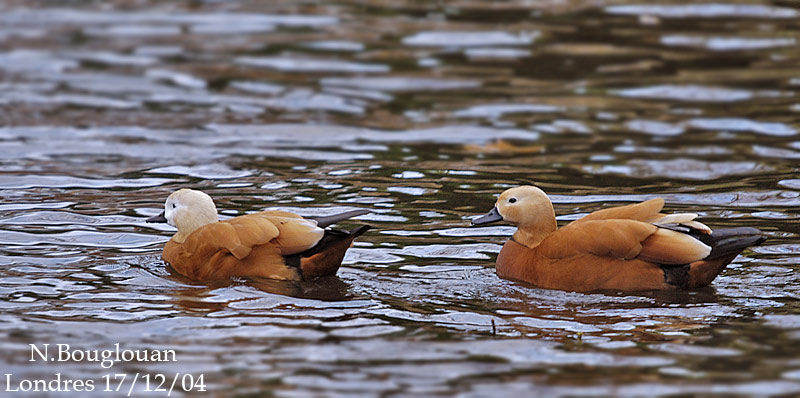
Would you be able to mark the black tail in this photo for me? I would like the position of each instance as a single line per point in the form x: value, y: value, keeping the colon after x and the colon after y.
x: 326, y: 257
x: 325, y: 221
x: 731, y: 240
x: 359, y: 231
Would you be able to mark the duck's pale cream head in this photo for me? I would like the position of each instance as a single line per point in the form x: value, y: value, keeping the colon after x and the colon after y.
x: 187, y: 210
x: 526, y: 207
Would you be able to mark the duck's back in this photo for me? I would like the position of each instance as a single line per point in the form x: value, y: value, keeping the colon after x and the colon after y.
x: 645, y: 211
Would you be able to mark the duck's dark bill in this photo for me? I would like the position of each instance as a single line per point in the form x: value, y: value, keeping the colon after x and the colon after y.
x: 490, y: 217
x: 158, y: 218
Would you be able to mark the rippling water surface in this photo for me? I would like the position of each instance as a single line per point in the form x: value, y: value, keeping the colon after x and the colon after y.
x: 421, y: 112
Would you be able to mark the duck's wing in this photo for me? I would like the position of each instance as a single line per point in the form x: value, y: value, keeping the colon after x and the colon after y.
x: 298, y: 234
x: 238, y: 236
x: 295, y: 234
x: 289, y: 232
x: 648, y: 211
x: 623, y: 239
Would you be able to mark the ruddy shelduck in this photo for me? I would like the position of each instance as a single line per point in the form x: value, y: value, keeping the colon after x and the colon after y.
x: 627, y: 248
x: 268, y: 244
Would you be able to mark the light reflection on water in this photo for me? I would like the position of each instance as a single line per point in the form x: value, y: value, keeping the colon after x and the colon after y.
x: 423, y: 115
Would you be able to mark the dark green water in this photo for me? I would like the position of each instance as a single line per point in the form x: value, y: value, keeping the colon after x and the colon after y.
x: 421, y: 111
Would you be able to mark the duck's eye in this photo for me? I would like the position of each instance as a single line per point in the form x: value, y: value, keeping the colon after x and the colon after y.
x: 174, y: 205
x: 512, y: 200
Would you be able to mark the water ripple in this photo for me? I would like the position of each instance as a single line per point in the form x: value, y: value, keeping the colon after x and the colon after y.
x: 737, y: 124
x: 687, y: 93
x: 311, y: 65
x: 727, y: 43
x: 709, y: 10
x: 52, y: 181
x: 117, y: 240
x: 89, y: 17
x: 689, y: 169
x: 469, y: 39
x: 400, y: 84
x: 205, y: 171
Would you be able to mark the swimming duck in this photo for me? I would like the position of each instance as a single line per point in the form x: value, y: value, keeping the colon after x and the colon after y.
x: 269, y: 244
x: 627, y: 248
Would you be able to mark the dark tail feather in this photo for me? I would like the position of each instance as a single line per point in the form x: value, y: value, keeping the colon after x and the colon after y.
x: 325, y: 221
x: 326, y: 257
x: 359, y: 231
x: 725, y: 244
x: 731, y: 240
